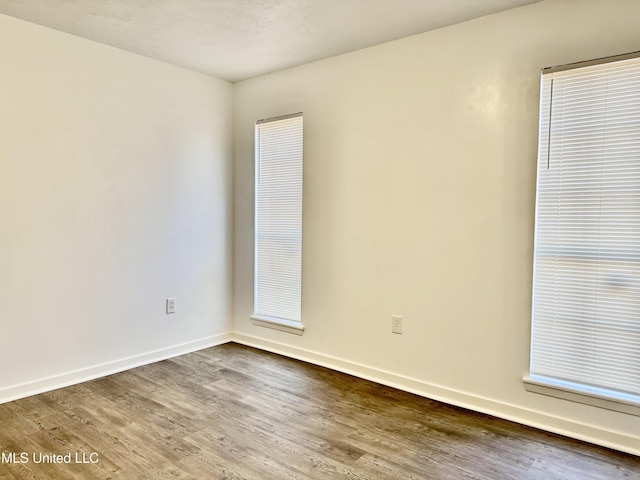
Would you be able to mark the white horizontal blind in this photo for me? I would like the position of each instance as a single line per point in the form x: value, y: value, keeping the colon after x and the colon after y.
x: 586, y: 295
x: 278, y: 219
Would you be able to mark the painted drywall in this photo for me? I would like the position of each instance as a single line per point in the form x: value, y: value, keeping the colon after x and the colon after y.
x: 115, y: 193
x: 419, y: 193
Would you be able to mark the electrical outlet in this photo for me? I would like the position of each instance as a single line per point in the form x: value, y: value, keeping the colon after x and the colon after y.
x: 396, y: 324
x: 171, y: 305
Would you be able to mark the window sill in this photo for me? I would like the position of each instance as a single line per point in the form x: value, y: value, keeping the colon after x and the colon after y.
x: 288, y: 326
x: 629, y: 404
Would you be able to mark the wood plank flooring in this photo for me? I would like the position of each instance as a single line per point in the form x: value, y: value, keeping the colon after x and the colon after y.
x: 233, y: 412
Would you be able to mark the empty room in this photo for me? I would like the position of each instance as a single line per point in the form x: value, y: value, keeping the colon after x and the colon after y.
x: 298, y: 239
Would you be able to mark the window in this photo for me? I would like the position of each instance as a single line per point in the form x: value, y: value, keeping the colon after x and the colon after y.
x: 585, y: 342
x: 278, y: 223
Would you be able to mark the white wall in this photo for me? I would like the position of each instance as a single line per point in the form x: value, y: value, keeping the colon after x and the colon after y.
x: 419, y: 201
x: 115, y: 193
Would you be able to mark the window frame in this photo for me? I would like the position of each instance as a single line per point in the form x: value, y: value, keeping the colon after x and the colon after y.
x: 269, y: 314
x: 598, y: 396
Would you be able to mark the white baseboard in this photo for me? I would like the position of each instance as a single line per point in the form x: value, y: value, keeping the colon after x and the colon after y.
x: 90, y: 373
x: 589, y: 433
x: 543, y: 421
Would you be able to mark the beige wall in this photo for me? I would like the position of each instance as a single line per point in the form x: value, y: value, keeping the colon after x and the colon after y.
x: 419, y: 201
x: 115, y: 193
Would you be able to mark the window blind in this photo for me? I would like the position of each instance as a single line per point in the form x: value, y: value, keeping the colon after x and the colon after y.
x: 278, y: 219
x: 586, y: 292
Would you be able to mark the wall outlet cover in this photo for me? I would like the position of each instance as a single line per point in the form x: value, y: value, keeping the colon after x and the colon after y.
x: 171, y: 305
x: 396, y: 324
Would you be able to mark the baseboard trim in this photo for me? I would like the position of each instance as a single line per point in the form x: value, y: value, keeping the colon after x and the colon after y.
x: 543, y: 421
x: 536, y: 419
x: 16, y: 392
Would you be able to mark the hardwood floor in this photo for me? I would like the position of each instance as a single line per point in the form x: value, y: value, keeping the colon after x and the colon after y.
x: 232, y: 412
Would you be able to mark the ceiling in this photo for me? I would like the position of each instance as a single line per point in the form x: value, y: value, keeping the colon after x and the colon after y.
x: 238, y: 39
